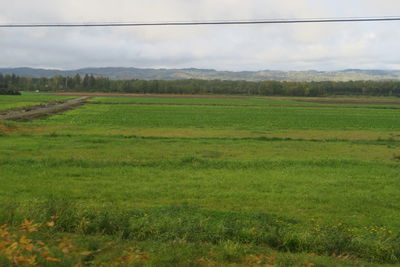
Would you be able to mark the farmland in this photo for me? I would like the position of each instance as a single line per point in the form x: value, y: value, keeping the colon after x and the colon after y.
x: 27, y: 99
x: 209, y: 181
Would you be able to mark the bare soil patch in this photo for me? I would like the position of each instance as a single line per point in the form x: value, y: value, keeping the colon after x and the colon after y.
x: 38, y: 111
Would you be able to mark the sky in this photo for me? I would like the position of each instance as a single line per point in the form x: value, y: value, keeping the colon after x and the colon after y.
x: 325, y: 46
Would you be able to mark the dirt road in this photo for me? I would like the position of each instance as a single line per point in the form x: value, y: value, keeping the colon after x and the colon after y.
x: 34, y: 112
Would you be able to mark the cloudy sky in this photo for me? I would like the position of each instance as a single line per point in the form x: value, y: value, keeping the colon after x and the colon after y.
x: 240, y: 47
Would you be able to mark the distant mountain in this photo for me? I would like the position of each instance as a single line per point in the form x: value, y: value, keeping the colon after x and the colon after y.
x: 209, y: 74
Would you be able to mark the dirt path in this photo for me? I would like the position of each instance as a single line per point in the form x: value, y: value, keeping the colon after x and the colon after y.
x: 34, y: 112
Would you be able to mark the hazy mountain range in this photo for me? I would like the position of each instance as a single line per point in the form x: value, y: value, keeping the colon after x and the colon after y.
x: 174, y: 74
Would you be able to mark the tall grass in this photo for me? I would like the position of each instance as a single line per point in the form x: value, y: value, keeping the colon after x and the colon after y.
x: 191, y: 224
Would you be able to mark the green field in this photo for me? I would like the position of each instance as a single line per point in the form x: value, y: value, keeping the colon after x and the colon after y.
x: 27, y: 99
x: 209, y: 181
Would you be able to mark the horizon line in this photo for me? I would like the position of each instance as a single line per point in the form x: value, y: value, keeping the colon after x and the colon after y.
x: 194, y: 68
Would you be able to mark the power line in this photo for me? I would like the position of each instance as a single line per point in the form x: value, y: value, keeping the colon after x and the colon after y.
x: 199, y: 23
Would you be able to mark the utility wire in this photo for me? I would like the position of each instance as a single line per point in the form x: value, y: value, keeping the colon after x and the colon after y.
x: 199, y: 23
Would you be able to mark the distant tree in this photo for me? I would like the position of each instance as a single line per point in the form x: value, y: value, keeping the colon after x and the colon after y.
x: 196, y: 86
x: 77, y: 81
x: 3, y: 83
x: 85, y: 82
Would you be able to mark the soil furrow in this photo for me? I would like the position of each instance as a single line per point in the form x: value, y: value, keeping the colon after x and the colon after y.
x: 35, y: 112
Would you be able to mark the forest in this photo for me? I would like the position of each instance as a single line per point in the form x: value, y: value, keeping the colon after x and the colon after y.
x: 11, y: 84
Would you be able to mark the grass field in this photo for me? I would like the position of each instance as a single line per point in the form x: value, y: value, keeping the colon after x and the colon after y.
x: 207, y: 182
x: 27, y: 99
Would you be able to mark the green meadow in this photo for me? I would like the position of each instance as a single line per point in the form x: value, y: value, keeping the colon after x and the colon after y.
x: 27, y: 99
x: 207, y: 181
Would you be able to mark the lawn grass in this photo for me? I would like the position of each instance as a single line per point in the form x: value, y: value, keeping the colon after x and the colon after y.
x: 196, y: 183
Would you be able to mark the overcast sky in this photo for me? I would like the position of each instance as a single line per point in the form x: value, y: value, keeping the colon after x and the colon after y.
x: 240, y: 47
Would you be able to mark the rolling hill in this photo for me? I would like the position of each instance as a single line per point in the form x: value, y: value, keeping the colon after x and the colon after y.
x: 209, y: 74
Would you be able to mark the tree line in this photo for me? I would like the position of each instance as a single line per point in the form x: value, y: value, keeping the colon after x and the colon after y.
x: 90, y: 83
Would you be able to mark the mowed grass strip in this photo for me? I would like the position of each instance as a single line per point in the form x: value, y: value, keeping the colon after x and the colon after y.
x: 217, y: 117
x: 122, y: 148
x: 193, y: 100
x: 356, y: 192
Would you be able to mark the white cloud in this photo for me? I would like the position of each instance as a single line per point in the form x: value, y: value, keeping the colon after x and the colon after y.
x: 251, y: 47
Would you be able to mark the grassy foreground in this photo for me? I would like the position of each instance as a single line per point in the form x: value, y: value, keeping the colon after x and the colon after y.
x: 203, y: 182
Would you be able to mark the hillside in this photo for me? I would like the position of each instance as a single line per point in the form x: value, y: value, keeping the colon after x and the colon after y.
x: 208, y: 74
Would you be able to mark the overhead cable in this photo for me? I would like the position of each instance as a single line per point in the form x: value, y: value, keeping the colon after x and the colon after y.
x: 200, y: 23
